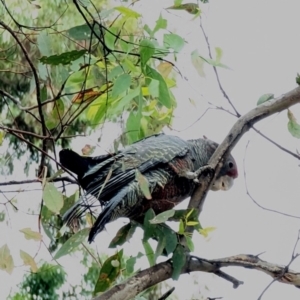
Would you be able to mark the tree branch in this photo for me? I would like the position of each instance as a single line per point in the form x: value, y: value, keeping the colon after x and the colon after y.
x: 243, y: 124
x: 163, y: 271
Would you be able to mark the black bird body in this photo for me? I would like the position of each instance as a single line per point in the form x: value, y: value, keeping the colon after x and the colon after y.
x: 167, y: 164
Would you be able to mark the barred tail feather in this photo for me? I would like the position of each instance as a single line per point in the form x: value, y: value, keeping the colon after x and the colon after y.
x: 107, y: 214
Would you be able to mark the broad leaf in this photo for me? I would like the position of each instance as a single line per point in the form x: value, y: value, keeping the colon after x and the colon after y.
x: 123, y: 235
x: 72, y: 243
x: 147, y: 49
x: 6, y: 260
x: 121, y: 85
x: 178, y: 261
x: 149, y: 253
x: 31, y: 235
x: 110, y: 271
x: 52, y: 197
x: 174, y: 41
x: 28, y: 261
x: 64, y: 58
x: 163, y: 217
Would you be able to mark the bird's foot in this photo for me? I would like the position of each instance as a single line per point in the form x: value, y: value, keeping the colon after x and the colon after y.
x: 194, y: 175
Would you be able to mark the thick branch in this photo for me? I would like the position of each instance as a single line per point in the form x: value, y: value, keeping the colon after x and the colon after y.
x: 163, y: 271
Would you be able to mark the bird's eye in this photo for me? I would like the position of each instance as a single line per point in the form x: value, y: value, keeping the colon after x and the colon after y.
x: 230, y: 165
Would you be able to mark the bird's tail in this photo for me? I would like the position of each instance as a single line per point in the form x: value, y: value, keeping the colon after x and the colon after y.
x: 74, y: 162
x: 108, y: 214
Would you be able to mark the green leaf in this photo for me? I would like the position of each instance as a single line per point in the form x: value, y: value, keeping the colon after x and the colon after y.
x: 127, y: 11
x: 110, y: 271
x: 174, y: 41
x: 121, y: 85
x: 123, y: 235
x: 6, y: 260
x: 293, y: 126
x: 125, y: 101
x: 189, y: 243
x: 149, y: 253
x: 171, y: 239
x: 64, y: 58
x: 82, y: 32
x: 198, y: 63
x: 161, y: 23
x: 31, y: 235
x: 52, y: 197
x: 28, y: 261
x: 181, y: 227
x: 148, y: 227
x: 164, y: 95
x: 264, y: 98
x: 191, y: 8
x: 161, y: 243
x: 72, y: 243
x: 143, y: 183
x: 178, y: 260
x: 219, y: 54
x: 44, y: 43
x: 147, y: 49
x: 205, y: 231
x: 69, y: 202
x: 163, y: 217
x: 298, y: 79
x: 111, y: 37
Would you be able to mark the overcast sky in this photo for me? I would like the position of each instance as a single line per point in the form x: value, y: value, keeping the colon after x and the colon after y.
x: 261, y: 45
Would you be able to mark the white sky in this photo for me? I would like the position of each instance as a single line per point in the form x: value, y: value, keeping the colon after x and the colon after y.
x: 260, y: 41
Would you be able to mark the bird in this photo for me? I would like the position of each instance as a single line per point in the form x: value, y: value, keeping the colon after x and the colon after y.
x: 156, y: 172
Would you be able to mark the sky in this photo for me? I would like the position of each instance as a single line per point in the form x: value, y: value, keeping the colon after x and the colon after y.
x: 260, y: 43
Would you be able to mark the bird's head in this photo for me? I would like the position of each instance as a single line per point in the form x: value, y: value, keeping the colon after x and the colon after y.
x: 226, y: 176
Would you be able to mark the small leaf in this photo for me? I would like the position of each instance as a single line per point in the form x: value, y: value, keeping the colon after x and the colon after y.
x: 149, y: 253
x: 189, y: 243
x: 178, y: 261
x: 181, y: 227
x: 110, y: 271
x: 148, y: 227
x: 127, y: 11
x: 6, y: 260
x: 192, y: 223
x: 293, y: 126
x: 264, y: 98
x: 191, y: 8
x: 165, y: 68
x: 198, y: 63
x: 171, y: 239
x: 147, y: 49
x: 174, y: 41
x: 161, y: 23
x: 143, y: 183
x: 31, y: 235
x: 298, y: 79
x: 83, y: 32
x: 205, y: 231
x: 52, y: 197
x: 164, y: 95
x: 123, y: 235
x: 72, y: 243
x: 121, y: 85
x: 28, y: 261
x: 64, y: 58
x: 163, y: 217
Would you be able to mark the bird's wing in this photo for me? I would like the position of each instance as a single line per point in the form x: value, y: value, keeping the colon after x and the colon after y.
x: 107, y: 179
